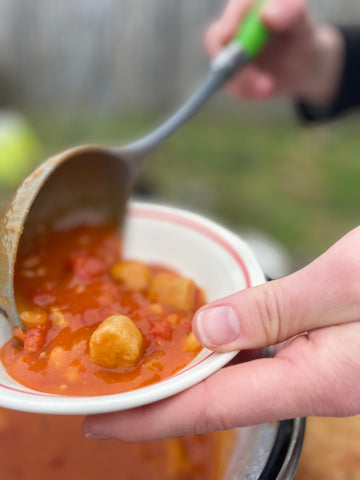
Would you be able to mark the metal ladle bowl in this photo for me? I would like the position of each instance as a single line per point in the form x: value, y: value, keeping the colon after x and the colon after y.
x: 97, y: 181
x: 87, y: 181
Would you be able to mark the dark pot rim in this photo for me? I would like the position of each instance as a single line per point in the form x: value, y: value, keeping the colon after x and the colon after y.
x: 285, y: 454
x: 267, y: 451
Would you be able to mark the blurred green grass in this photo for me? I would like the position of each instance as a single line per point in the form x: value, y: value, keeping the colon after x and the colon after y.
x: 299, y: 184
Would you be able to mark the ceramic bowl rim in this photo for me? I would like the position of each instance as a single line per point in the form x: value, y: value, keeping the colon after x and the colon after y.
x: 18, y: 397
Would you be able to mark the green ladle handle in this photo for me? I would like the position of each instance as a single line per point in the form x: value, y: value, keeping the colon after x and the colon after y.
x: 252, y: 34
x: 246, y: 44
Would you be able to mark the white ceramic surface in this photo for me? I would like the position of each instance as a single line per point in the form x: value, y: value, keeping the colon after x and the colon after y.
x: 216, y: 259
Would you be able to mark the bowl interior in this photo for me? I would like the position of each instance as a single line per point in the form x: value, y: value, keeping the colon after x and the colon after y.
x: 216, y: 259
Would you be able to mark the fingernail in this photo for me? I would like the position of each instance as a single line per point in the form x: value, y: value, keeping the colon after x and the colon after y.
x: 95, y: 436
x: 217, y: 326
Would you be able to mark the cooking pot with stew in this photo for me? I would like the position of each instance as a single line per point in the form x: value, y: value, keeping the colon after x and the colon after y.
x: 52, y: 447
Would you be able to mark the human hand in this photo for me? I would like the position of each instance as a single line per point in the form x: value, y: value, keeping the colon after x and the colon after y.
x: 303, y: 59
x: 312, y: 315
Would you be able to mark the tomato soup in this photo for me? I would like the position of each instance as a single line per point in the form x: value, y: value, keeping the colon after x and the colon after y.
x: 50, y: 447
x: 96, y: 324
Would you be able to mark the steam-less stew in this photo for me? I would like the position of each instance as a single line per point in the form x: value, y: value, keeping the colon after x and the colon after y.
x: 50, y: 447
x: 96, y: 324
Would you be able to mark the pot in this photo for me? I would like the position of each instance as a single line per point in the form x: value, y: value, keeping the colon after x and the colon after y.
x: 35, y: 446
x: 267, y: 452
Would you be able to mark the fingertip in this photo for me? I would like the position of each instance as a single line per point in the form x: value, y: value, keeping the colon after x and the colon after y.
x: 211, y: 40
x: 273, y: 14
x: 233, y: 15
x: 109, y: 426
x: 217, y: 36
x: 280, y: 15
x: 89, y: 429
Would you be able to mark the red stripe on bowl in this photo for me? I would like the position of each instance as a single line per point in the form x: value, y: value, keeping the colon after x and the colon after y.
x: 171, y: 217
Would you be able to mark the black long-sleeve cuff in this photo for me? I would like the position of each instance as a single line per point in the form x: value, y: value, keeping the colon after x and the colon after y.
x: 348, y: 96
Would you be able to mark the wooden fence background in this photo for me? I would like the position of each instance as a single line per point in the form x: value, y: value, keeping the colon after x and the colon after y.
x: 106, y: 55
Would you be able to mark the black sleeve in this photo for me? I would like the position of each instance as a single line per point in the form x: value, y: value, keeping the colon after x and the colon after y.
x: 348, y: 96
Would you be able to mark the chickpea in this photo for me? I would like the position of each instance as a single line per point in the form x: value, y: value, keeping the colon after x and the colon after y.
x: 134, y: 275
x: 58, y: 317
x: 191, y: 343
x: 173, y: 319
x: 117, y: 342
x: 58, y: 357
x: 174, y: 291
x: 31, y: 318
x: 72, y: 375
x: 178, y: 463
x: 156, y: 308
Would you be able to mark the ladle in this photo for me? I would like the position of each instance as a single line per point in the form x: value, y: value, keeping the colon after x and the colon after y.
x: 96, y: 180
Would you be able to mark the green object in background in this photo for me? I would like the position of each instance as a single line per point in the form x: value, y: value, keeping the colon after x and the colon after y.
x: 18, y: 148
x: 252, y: 34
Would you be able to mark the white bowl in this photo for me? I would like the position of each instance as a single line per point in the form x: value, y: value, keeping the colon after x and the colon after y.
x: 216, y: 259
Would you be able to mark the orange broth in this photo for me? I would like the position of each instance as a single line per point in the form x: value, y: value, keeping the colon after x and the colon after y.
x: 51, y: 447
x: 65, y: 277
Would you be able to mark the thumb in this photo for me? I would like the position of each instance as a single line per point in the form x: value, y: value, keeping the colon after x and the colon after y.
x: 324, y: 293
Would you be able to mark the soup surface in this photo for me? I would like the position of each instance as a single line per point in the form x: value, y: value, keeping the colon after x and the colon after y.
x: 50, y: 447
x: 96, y: 324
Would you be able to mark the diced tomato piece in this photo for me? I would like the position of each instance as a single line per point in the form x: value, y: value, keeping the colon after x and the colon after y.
x: 86, y: 267
x: 34, y: 340
x: 43, y: 299
x: 160, y: 328
x: 19, y: 335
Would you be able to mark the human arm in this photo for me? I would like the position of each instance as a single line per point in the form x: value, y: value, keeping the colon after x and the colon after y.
x: 303, y: 59
x: 312, y: 315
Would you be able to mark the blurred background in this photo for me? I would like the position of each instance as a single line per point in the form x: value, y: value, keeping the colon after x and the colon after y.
x: 108, y: 71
